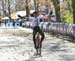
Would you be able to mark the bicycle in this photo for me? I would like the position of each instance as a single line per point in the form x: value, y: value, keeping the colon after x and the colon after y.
x: 38, y: 43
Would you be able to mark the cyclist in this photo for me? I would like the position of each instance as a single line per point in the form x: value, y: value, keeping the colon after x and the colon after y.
x: 36, y: 28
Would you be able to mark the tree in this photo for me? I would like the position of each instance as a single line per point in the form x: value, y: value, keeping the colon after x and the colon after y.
x: 9, y: 12
x: 3, y: 7
x: 20, y: 5
x: 66, y: 9
x: 73, y: 6
x: 56, y: 4
x: 36, y: 4
x: 27, y: 9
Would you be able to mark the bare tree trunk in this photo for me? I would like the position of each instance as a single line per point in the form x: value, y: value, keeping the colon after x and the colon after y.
x: 73, y: 6
x: 27, y: 9
x: 57, y: 9
x: 36, y: 4
x: 9, y: 10
x: 69, y: 7
x: 3, y: 7
x: 47, y: 7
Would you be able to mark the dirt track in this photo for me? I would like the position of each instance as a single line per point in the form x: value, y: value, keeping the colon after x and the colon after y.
x: 17, y: 45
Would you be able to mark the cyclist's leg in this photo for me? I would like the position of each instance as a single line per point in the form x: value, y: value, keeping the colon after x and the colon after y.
x: 34, y: 33
x: 34, y: 41
x: 42, y: 38
x: 42, y: 33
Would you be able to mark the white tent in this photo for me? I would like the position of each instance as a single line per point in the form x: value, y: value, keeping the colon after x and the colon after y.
x: 5, y: 18
x: 23, y: 13
x: 31, y: 11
